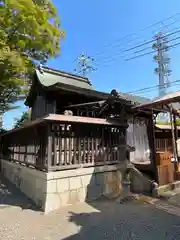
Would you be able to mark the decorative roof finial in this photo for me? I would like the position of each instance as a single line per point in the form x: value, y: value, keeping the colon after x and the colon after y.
x: 114, y: 93
x: 40, y: 68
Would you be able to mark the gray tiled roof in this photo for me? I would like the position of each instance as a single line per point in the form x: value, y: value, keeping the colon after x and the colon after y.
x: 49, y: 77
x: 135, y: 99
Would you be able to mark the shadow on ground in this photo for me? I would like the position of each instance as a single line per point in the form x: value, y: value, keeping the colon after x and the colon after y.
x: 130, y: 220
x: 11, y: 196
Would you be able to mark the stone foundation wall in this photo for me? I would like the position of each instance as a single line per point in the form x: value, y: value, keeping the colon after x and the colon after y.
x: 53, y: 190
x: 30, y: 181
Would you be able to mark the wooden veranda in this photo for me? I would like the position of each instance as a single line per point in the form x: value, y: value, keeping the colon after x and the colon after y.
x: 58, y: 142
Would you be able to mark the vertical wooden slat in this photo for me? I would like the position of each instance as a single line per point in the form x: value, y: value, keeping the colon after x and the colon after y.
x: 116, y: 140
x: 40, y: 151
x: 119, y: 142
x: 60, y: 145
x: 19, y: 158
x: 43, y: 148
x: 88, y: 149
x: 96, y: 143
x: 49, y: 157
x: 25, y: 152
x: 102, y: 145
x: 55, y: 138
x: 74, y: 149
x: 79, y: 145
x: 92, y: 146
x: 65, y: 144
x: 37, y: 137
x: 70, y: 145
x: 107, y: 144
x: 79, y: 150
x: 84, y: 150
x: 112, y: 144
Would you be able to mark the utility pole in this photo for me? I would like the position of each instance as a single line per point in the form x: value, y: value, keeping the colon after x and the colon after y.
x: 84, y: 65
x: 162, y: 60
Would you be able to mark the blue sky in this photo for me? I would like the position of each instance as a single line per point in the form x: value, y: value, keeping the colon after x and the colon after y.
x: 98, y: 26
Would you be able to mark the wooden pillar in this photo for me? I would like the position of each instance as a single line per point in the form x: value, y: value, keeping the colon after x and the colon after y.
x: 151, y: 134
x: 175, y: 129
x: 49, y: 147
x: 174, y: 142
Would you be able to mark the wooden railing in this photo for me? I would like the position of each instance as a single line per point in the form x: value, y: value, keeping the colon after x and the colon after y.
x: 163, y: 144
x: 64, y: 142
x: 26, y: 146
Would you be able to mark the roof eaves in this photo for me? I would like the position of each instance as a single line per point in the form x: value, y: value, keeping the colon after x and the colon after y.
x: 65, y: 74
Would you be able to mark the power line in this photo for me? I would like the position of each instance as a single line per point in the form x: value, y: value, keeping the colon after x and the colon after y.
x: 151, y: 41
x: 142, y: 55
x: 141, y: 30
x: 155, y: 89
x: 152, y: 87
x: 141, y: 45
x: 114, y: 57
x: 123, y: 56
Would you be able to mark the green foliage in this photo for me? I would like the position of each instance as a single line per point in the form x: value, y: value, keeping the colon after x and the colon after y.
x: 168, y: 123
x: 163, y: 123
x: 25, y: 118
x: 29, y: 34
x: 2, y: 130
x: 178, y: 122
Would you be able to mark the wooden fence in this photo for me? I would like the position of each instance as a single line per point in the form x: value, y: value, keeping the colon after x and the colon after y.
x: 65, y: 143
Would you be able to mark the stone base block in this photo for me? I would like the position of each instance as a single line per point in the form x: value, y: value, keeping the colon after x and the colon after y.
x: 53, y: 190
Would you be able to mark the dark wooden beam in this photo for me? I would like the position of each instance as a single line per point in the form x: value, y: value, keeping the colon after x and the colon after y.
x: 174, y: 142
x: 151, y: 136
x: 98, y: 103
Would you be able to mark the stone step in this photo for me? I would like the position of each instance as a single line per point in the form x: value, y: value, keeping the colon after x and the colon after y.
x: 167, y: 188
x: 170, y: 193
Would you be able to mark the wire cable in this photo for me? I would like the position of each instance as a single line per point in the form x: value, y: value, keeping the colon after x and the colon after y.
x: 125, y: 58
x: 144, y: 54
x: 152, y: 87
x: 141, y: 30
x: 141, y: 45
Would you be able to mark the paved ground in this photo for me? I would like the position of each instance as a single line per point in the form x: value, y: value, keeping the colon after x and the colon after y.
x: 19, y: 219
x: 175, y: 200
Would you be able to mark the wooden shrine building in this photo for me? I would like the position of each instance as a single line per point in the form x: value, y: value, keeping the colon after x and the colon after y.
x: 78, y: 141
x: 74, y: 149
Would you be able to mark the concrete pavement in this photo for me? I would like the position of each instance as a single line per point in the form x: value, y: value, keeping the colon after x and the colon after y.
x: 19, y: 219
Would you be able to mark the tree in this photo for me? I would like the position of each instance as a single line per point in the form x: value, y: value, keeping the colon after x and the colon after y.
x: 24, y: 119
x: 30, y: 34
x: 2, y: 130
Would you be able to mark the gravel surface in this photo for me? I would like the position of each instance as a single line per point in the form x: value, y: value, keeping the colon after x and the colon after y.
x: 19, y: 219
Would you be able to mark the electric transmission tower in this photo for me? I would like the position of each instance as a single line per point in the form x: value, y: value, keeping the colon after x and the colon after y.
x: 162, y: 70
x: 163, y: 61
x: 85, y: 65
